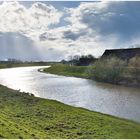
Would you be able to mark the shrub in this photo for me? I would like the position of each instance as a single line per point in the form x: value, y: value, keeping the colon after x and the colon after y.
x: 134, y: 68
x: 109, y: 69
x: 134, y: 62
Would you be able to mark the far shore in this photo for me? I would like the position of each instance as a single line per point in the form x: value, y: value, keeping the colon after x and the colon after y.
x: 82, y: 72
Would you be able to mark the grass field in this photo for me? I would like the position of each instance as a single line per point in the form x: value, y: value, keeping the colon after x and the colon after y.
x: 24, y: 116
x: 66, y: 70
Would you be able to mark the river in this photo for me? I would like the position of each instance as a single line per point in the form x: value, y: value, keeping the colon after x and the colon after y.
x: 110, y: 99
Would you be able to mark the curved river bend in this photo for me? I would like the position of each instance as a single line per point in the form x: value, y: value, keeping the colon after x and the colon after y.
x: 106, y: 98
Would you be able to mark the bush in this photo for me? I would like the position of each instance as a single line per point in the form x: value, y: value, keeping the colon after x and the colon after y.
x: 134, y: 68
x: 109, y: 69
x: 134, y: 62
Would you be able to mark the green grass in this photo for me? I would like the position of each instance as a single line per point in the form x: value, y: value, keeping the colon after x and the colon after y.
x: 66, y: 70
x: 24, y: 116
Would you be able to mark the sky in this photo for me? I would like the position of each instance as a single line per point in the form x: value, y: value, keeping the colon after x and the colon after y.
x: 52, y: 31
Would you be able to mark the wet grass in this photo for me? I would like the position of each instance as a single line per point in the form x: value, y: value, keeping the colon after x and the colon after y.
x: 24, y: 116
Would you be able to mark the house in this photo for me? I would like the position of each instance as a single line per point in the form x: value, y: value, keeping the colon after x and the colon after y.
x: 122, y: 53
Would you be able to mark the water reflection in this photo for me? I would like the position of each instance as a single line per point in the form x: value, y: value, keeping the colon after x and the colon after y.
x: 106, y: 98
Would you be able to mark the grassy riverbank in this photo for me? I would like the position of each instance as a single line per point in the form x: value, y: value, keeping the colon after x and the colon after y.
x: 109, y: 70
x: 24, y: 116
x: 66, y: 70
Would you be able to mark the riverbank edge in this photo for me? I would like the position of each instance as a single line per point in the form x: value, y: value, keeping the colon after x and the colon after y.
x: 99, y: 117
x: 68, y: 74
x: 121, y: 83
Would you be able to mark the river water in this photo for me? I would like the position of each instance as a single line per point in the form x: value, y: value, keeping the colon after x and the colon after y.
x: 110, y: 99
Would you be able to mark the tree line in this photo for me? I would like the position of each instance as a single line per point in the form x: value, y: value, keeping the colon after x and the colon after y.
x: 80, y: 60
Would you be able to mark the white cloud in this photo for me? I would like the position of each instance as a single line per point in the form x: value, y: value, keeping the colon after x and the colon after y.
x: 32, y: 21
x: 105, y: 24
x: 90, y: 28
x: 108, y: 17
x: 85, y: 8
x: 77, y: 37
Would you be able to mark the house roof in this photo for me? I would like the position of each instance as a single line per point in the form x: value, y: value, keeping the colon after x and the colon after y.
x: 122, y: 53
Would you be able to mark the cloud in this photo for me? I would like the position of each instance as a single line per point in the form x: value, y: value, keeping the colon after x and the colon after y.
x: 53, y: 34
x: 73, y: 35
x: 96, y: 26
x: 48, y: 36
x: 106, y: 18
x: 32, y: 21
